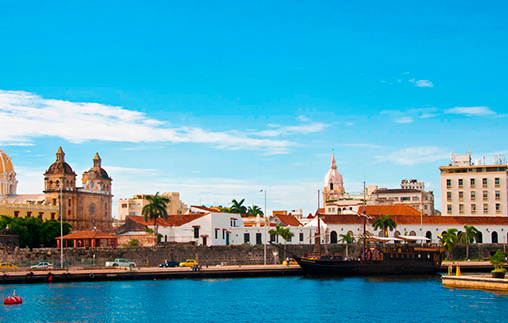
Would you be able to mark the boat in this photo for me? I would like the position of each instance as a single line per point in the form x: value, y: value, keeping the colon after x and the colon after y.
x: 401, y: 255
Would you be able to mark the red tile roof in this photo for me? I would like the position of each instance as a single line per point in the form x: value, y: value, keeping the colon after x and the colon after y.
x: 389, y: 210
x: 289, y: 220
x: 171, y: 221
x: 204, y: 208
x: 88, y: 235
x: 416, y: 220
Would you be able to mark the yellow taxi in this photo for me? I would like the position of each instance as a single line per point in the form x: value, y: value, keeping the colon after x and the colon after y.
x: 188, y: 263
x: 291, y: 262
x: 7, y: 265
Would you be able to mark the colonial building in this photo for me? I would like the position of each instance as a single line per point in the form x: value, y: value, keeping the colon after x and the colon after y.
x: 86, y: 207
x: 134, y: 206
x: 473, y: 189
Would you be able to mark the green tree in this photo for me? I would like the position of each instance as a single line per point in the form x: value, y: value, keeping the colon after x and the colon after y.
x: 238, y: 207
x: 449, y: 240
x: 255, y: 210
x: 156, y: 208
x: 286, y: 234
x: 498, y: 260
x: 347, y: 239
x: 276, y: 232
x: 470, y: 235
x: 384, y: 223
x: 33, y: 232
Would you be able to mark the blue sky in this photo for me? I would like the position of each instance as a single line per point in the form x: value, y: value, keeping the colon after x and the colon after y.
x: 219, y: 100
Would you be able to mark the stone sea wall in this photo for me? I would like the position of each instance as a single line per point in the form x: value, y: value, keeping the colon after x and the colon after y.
x: 216, y: 255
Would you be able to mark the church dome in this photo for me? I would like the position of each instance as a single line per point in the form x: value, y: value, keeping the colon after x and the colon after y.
x: 97, y: 170
x: 333, y: 179
x: 60, y: 167
x: 5, y: 163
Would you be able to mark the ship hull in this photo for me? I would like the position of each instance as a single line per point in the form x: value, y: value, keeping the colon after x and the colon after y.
x: 417, y: 263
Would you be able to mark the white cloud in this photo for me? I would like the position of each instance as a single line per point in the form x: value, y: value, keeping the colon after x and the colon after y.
x: 412, y: 80
x: 24, y: 116
x: 424, y: 83
x: 415, y: 155
x: 471, y: 111
x: 426, y: 115
x: 285, y: 130
x: 404, y: 120
x: 303, y: 118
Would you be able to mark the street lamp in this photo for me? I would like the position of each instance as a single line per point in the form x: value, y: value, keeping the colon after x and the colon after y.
x: 265, y: 226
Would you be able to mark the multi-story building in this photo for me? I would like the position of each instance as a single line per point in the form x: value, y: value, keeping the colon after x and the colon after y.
x: 474, y: 188
x: 134, y: 206
x: 411, y: 193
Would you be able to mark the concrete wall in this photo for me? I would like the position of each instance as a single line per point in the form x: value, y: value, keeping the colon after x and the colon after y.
x: 212, y: 256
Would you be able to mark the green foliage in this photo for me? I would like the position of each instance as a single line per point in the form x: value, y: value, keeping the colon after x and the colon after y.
x: 498, y: 260
x: 238, y: 207
x: 276, y: 232
x: 255, y: 210
x: 134, y: 243
x: 450, y: 240
x: 33, y: 232
x: 470, y: 235
x: 347, y: 238
x: 384, y: 223
x: 156, y: 208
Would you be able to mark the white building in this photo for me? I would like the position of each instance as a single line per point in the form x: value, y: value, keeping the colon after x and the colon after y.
x: 473, y: 189
x: 411, y: 193
x: 134, y: 206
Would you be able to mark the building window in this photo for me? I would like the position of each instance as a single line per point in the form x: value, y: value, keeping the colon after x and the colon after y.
x: 28, y: 214
x: 473, y: 208
x: 216, y: 234
x: 259, y: 239
x: 485, y: 195
x: 497, y: 181
x: 449, y: 208
x: 449, y: 196
x: 498, y: 195
x: 472, y: 182
x: 461, y: 208
x: 223, y: 234
x: 473, y: 196
x: 54, y: 201
x: 448, y: 183
x: 485, y: 208
x: 461, y: 196
x: 196, y: 232
x: 52, y: 215
x: 461, y: 182
x: 498, y: 208
x: 40, y: 215
x: 16, y: 214
x: 484, y: 182
x: 405, y: 199
x: 246, y: 238
x: 272, y: 238
x: 124, y: 206
x: 301, y: 236
x: 69, y: 202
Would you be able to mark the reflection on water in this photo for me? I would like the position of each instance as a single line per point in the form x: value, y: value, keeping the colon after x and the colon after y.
x: 292, y: 299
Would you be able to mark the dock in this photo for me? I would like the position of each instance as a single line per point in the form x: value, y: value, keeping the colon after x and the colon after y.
x: 145, y: 273
x: 475, y: 282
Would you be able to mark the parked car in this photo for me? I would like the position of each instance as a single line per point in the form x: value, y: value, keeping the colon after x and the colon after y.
x: 291, y: 262
x: 169, y: 263
x: 188, y: 263
x: 42, y: 265
x: 120, y: 263
x: 7, y: 265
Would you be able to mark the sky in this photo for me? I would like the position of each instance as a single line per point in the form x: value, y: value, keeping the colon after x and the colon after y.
x: 219, y: 100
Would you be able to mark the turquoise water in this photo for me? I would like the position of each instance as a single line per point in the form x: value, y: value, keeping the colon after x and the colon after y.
x: 292, y: 299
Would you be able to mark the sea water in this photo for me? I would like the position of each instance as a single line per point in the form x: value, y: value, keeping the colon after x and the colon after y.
x: 291, y: 299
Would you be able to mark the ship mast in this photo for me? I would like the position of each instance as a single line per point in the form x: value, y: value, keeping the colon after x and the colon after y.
x: 364, y: 221
x: 318, y: 229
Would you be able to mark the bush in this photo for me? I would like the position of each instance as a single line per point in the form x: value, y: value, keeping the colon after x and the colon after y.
x: 498, y: 260
x: 134, y: 243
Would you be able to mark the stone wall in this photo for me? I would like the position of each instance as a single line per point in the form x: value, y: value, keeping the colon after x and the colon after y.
x: 211, y: 256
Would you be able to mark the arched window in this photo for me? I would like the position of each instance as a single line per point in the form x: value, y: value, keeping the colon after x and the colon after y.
x: 494, y: 237
x: 479, y: 238
x: 331, y: 186
x: 412, y: 233
x: 381, y: 234
x: 396, y: 234
x: 428, y: 235
x: 333, y: 237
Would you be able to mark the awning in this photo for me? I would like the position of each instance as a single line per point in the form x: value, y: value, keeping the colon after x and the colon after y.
x: 413, y: 238
x: 382, y: 239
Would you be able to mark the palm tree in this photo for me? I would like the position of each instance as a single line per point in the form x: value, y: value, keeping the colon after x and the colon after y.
x: 237, y: 207
x: 255, y: 210
x: 155, y: 209
x: 347, y: 239
x: 278, y: 231
x: 384, y: 223
x: 470, y: 235
x: 286, y: 234
x: 449, y: 240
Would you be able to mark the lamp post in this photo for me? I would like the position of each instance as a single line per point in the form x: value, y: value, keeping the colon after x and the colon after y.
x: 61, y: 223
x: 266, y: 232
